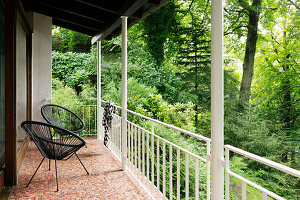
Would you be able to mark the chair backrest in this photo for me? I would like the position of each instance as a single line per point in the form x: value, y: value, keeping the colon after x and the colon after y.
x: 62, y: 117
x: 53, y: 142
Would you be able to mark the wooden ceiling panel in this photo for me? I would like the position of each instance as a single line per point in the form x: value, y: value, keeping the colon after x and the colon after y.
x: 76, y: 8
x: 66, y: 16
x: 73, y: 27
x: 99, y: 18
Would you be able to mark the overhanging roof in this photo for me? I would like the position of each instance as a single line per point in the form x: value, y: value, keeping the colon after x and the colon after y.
x: 99, y: 18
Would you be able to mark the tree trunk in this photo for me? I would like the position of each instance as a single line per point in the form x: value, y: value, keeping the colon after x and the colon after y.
x: 286, y: 87
x: 248, y: 66
x: 287, y: 100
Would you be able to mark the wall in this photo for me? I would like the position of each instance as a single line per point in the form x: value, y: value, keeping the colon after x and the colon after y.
x: 21, y: 93
x: 41, y: 63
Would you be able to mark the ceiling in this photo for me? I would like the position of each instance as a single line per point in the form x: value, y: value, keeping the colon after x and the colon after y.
x: 98, y: 18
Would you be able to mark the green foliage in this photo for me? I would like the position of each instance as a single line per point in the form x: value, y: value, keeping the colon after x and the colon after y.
x: 74, y: 69
x: 60, y: 91
x: 157, y: 28
x: 65, y: 40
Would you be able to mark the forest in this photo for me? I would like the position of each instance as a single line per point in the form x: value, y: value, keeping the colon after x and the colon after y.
x: 169, y: 79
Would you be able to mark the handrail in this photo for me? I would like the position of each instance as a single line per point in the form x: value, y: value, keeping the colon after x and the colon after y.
x: 269, y: 193
x: 171, y: 126
x: 70, y: 99
x: 265, y: 161
x: 168, y: 125
x: 170, y: 143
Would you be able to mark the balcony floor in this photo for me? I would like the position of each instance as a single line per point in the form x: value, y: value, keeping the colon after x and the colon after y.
x: 106, y: 179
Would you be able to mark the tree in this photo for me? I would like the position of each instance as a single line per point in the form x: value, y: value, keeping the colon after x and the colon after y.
x: 247, y: 16
x: 253, y: 11
x: 276, y: 90
x: 193, y: 38
x: 65, y: 40
x: 157, y: 29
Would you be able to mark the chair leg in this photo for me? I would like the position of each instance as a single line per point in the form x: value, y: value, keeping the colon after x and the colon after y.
x: 49, y: 164
x: 35, y: 172
x: 56, y: 176
x: 82, y: 164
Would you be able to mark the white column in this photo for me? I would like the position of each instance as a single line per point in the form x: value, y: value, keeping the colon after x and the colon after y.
x: 41, y: 63
x: 124, y: 91
x: 217, y: 101
x: 100, y: 131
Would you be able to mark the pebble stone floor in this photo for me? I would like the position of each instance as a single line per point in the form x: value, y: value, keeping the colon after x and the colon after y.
x: 106, y: 179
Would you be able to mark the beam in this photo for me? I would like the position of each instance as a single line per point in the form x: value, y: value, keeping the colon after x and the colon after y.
x: 98, y: 5
x: 130, y: 11
x: 217, y: 101
x: 66, y: 16
x: 75, y: 9
x: 76, y: 24
x: 74, y: 27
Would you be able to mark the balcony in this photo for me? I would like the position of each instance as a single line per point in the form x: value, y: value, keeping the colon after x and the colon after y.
x: 106, y: 179
x: 150, y: 160
x: 156, y: 167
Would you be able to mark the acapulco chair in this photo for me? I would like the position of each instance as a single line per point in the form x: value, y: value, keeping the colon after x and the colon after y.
x: 53, y: 142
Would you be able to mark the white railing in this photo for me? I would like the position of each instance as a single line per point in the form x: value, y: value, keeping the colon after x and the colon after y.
x: 86, y: 109
x: 145, y: 162
x: 265, y: 193
x: 164, y: 169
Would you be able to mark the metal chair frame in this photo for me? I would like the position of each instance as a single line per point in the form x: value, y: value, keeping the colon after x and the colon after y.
x: 57, y: 122
x: 54, y: 143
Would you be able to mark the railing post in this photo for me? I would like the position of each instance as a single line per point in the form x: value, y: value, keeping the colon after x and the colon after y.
x: 217, y: 101
x: 227, y: 177
x: 124, y: 91
x: 99, y: 114
x: 208, y: 161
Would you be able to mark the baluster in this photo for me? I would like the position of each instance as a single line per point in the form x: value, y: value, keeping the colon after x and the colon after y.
x: 164, y: 169
x: 152, y: 157
x: 135, y: 145
x: 95, y: 121
x: 139, y: 154
x: 178, y: 174
x: 171, y: 172
x: 128, y: 145
x: 143, y: 156
x: 148, y: 178
x: 208, y: 170
x: 157, y: 160
x: 89, y: 119
x: 196, y: 179
x: 131, y: 133
x: 186, y: 176
x: 244, y: 190
x: 227, y: 177
x: 264, y: 196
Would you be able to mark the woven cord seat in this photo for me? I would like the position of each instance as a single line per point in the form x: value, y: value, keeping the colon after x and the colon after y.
x: 53, y: 143
x: 62, y: 117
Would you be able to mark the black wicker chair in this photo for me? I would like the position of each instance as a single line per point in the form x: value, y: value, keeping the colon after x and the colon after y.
x: 53, y: 143
x: 62, y: 117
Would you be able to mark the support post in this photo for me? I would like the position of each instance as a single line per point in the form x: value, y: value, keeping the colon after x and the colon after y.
x: 124, y: 92
x: 217, y: 101
x: 10, y: 170
x: 99, y: 110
